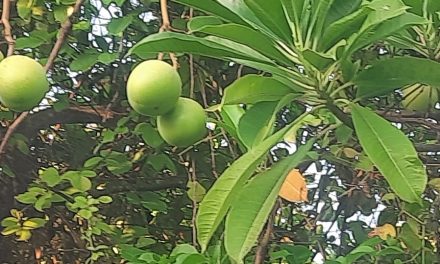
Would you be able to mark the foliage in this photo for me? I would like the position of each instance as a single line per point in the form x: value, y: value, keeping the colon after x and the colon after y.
x: 308, y: 85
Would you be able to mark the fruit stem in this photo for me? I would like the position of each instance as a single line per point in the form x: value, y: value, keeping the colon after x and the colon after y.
x: 166, y: 26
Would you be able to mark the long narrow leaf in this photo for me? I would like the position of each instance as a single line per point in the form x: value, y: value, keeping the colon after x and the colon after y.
x: 217, y: 201
x: 176, y: 42
x: 251, y: 209
x: 387, y: 75
x: 249, y: 37
x: 271, y: 14
x: 242, y: 10
x: 251, y: 89
x: 391, y: 152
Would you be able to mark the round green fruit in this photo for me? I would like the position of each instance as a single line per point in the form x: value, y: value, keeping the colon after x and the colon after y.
x: 420, y: 98
x: 23, y: 83
x: 153, y: 88
x: 184, y: 125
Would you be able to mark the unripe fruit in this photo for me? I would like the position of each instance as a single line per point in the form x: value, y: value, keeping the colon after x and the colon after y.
x: 23, y: 83
x: 184, y: 125
x: 420, y: 98
x: 153, y: 88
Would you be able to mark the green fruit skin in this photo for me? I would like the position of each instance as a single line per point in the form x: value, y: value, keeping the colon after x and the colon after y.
x: 23, y: 83
x: 153, y: 88
x: 420, y: 98
x: 184, y: 125
x: 1, y: 56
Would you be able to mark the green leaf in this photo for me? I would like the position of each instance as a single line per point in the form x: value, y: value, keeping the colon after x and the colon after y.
x: 34, y: 223
x: 385, y: 29
x: 60, y: 13
x: 231, y: 115
x: 217, y: 201
x: 84, y: 61
x: 250, y: 210
x: 214, y: 8
x: 84, y: 213
x: 211, y: 47
x: 28, y: 42
x: 249, y: 37
x: 195, y: 191
x: 105, y: 199
x: 387, y: 75
x: 81, y: 183
x: 9, y: 221
x: 149, y: 134
x: 92, y: 162
x: 270, y: 13
x: 252, y: 89
x: 241, y: 9
x: 319, y: 61
x: 343, y: 28
x: 108, y: 136
x: 318, y: 16
x: 258, y: 121
x: 199, y: 22
x: 183, y: 249
x: 24, y: 8
x: 191, y: 259
x: 27, y: 198
x: 107, y: 58
x: 342, y: 8
x: 10, y: 230
x: 118, y: 25
x: 51, y: 177
x: 392, y: 153
x: 410, y: 238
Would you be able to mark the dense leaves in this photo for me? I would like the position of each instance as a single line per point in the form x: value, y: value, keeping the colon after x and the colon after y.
x: 320, y: 87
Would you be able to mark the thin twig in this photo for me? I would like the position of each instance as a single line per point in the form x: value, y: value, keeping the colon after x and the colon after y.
x: 65, y: 29
x: 193, y: 178
x: 262, y: 248
x: 7, y: 29
x: 11, y: 130
x: 166, y: 26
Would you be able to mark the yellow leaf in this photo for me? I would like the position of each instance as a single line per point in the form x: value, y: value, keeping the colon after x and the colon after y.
x: 38, y: 11
x: 383, y: 231
x: 294, y: 188
x: 350, y: 153
x: 23, y: 235
x: 435, y: 183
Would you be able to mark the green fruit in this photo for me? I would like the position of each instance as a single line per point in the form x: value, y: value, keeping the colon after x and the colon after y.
x: 420, y: 98
x: 23, y: 83
x: 153, y: 88
x: 184, y: 125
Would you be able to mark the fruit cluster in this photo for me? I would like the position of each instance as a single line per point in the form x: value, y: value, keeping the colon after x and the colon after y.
x: 154, y: 89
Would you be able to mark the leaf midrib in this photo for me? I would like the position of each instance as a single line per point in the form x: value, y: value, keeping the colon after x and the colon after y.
x: 389, y: 155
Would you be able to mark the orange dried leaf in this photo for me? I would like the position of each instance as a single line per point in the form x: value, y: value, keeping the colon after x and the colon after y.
x: 383, y: 231
x: 294, y: 188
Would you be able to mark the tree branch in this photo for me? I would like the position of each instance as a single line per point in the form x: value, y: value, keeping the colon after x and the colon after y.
x: 262, y: 248
x: 7, y: 30
x: 66, y: 27
x: 172, y: 183
x: 72, y: 115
